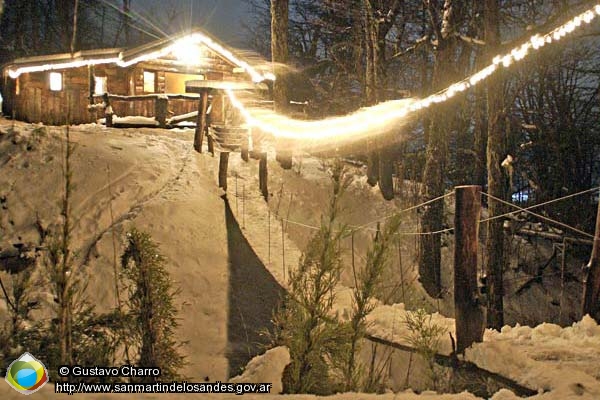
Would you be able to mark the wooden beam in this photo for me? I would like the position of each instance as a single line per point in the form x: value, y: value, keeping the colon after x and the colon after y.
x: 468, y: 311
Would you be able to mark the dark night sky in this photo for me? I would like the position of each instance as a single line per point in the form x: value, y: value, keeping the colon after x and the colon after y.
x: 220, y: 18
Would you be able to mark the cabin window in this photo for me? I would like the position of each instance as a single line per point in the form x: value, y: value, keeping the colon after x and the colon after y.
x: 149, y: 82
x: 17, y: 86
x: 56, y: 81
x: 175, y: 82
x: 100, y: 84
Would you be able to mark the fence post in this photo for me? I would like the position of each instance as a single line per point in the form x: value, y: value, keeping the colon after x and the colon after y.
x: 283, y: 154
x: 210, y: 143
x: 468, y: 310
x: 161, y: 105
x: 223, y: 163
x: 108, y: 111
x: 386, y: 170
x: 591, y: 280
x: 201, y: 121
x: 263, y: 175
x: 244, y: 146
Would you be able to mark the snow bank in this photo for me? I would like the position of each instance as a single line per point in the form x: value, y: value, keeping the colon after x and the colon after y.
x: 131, y: 120
x: 266, y: 368
x: 563, y: 361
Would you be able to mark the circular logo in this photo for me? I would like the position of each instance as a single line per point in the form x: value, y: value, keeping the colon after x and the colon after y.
x: 26, y: 374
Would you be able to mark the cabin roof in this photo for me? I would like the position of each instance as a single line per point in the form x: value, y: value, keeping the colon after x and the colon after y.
x: 80, y: 55
x: 127, y: 57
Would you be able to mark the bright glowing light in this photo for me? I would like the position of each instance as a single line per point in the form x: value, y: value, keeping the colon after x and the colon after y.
x: 378, y: 118
x: 385, y: 116
x: 56, y: 81
x: 100, y: 84
x: 187, y: 51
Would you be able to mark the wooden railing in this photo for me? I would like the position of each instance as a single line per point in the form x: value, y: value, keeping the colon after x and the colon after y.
x: 156, y: 105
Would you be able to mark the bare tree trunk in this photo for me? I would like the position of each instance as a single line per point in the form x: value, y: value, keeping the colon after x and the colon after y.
x: 127, y: 21
x: 370, y: 45
x: 480, y: 122
x: 591, y: 282
x: 436, y: 155
x: 496, y: 181
x: 279, y: 51
x: 279, y: 56
x: 74, y: 38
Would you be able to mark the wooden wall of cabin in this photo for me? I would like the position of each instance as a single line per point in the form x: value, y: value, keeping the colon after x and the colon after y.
x: 35, y: 102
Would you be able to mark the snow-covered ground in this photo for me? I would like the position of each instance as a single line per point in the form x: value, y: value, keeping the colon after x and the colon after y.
x: 152, y: 179
x: 563, y: 362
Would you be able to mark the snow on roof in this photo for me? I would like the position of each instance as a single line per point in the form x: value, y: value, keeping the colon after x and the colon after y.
x: 125, y: 58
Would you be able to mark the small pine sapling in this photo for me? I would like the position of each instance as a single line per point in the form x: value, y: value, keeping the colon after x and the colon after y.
x: 152, y: 315
x: 306, y: 324
x: 425, y: 337
x: 368, y: 282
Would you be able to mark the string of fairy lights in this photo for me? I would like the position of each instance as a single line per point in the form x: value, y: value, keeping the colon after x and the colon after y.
x: 183, y: 49
x: 372, y: 120
x: 363, y: 123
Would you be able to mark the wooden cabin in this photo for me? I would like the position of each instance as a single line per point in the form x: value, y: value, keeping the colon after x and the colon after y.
x: 55, y: 88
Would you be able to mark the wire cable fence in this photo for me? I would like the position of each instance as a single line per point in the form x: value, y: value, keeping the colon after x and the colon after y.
x: 290, y: 218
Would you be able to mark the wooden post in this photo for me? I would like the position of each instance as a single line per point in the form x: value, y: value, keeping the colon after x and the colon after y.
x: 210, y: 143
x: 201, y: 121
x: 108, y: 111
x: 386, y: 170
x: 263, y: 175
x: 284, y: 154
x: 244, y: 147
x: 591, y: 280
x: 373, y: 168
x: 92, y: 84
x: 161, y: 105
x: 223, y: 161
x: 467, y: 308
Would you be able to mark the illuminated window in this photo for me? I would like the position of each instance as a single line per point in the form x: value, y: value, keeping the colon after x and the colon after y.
x: 149, y: 82
x: 56, y: 81
x: 17, y: 87
x: 100, y: 85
